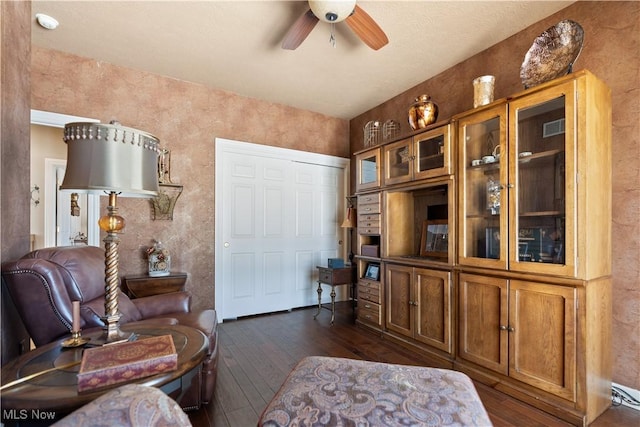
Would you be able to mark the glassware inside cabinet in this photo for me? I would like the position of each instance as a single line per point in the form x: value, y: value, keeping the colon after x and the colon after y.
x: 483, y: 190
x: 541, y: 182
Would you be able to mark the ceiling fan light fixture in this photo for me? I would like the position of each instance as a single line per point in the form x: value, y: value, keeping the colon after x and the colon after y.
x: 332, y: 11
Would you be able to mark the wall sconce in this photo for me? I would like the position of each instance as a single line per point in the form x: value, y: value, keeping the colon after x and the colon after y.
x: 75, y: 207
x: 35, y: 199
x: 168, y: 192
x: 349, y: 223
x: 164, y: 203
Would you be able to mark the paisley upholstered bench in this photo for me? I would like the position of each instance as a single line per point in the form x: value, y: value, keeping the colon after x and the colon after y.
x: 336, y: 391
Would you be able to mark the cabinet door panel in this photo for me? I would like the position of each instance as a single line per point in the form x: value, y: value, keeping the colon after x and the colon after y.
x: 543, y: 337
x: 483, y: 310
x: 368, y: 170
x: 398, y: 162
x: 482, y: 213
x: 432, y: 153
x: 433, y: 313
x: 399, y: 298
x: 542, y: 163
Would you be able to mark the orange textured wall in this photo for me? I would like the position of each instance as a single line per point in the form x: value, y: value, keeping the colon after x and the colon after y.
x: 612, y: 52
x: 186, y: 117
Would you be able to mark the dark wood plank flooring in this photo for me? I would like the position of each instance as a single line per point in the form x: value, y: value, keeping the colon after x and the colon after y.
x: 257, y: 353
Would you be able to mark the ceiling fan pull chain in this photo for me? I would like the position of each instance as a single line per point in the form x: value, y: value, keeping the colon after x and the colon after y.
x: 332, y: 38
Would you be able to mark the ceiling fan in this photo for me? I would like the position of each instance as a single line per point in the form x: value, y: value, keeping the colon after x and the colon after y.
x: 332, y: 12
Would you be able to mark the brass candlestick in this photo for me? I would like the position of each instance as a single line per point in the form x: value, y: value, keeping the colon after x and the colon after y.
x: 76, y: 340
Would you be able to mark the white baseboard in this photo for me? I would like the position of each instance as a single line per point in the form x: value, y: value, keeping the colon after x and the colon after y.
x: 633, y: 392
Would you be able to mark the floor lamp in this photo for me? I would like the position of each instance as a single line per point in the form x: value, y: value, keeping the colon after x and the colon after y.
x: 348, y: 223
x: 117, y: 161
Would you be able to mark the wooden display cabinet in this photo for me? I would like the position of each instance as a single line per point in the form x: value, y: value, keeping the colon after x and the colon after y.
x: 527, y: 209
x: 528, y: 222
x: 422, y: 156
x: 534, y: 246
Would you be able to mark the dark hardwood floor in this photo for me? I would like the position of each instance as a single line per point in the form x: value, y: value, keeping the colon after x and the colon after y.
x: 257, y: 353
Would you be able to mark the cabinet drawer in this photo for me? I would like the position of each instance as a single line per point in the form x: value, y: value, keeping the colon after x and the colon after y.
x: 366, y: 221
x: 369, y: 312
x: 336, y: 276
x: 368, y: 294
x: 369, y: 203
x: 369, y: 224
x: 370, y: 285
x: 325, y: 276
x: 368, y: 208
x: 369, y: 230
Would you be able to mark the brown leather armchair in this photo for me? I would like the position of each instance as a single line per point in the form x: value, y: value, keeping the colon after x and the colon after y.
x: 43, y: 284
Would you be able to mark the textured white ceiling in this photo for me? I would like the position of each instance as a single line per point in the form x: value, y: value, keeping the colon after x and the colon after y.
x: 235, y: 45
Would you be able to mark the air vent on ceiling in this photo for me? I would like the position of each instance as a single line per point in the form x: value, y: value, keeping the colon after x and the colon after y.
x: 555, y: 127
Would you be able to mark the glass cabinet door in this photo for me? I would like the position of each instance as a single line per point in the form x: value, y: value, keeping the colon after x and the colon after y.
x: 398, y: 162
x: 432, y: 153
x: 368, y: 170
x: 483, y: 197
x: 542, y: 158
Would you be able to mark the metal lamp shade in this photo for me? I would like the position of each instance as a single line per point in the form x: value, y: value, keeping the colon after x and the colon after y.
x: 110, y: 157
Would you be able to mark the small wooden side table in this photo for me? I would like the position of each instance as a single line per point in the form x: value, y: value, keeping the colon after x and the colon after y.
x: 335, y: 277
x: 143, y: 285
x: 57, y: 391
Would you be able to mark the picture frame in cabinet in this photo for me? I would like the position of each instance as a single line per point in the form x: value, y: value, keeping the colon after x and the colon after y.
x: 544, y: 244
x: 372, y: 272
x: 492, y: 242
x: 434, y: 241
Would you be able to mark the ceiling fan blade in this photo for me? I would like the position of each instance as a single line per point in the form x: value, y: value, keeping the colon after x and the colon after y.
x: 299, y: 30
x: 366, y: 28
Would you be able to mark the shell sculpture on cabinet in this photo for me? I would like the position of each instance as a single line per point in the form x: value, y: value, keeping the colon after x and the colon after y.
x: 552, y: 54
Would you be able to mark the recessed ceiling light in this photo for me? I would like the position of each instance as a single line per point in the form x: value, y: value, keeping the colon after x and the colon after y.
x: 46, y: 21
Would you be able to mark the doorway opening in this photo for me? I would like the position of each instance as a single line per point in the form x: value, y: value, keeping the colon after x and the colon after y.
x: 53, y: 221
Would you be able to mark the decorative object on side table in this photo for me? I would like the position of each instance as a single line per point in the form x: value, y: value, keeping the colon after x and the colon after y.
x: 552, y: 53
x: 422, y: 112
x: 114, y: 364
x: 76, y: 339
x: 159, y: 260
x: 118, y: 161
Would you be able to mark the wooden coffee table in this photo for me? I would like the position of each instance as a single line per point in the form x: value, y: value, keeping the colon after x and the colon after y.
x: 58, y: 390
